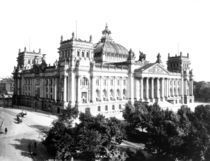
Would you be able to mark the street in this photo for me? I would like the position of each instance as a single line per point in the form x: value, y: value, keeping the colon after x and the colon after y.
x: 14, y: 146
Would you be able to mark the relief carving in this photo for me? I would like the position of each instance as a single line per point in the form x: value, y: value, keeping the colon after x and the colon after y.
x: 156, y: 70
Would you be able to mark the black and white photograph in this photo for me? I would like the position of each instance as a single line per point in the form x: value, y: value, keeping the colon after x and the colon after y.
x: 105, y: 80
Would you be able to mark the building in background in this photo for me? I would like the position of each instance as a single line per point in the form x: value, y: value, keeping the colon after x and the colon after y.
x: 100, y: 78
x: 7, y: 86
x: 6, y: 91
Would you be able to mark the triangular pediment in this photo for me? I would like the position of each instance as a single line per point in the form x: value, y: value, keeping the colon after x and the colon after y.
x: 155, y: 68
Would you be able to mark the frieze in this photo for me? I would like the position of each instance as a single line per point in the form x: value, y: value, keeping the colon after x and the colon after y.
x: 156, y: 70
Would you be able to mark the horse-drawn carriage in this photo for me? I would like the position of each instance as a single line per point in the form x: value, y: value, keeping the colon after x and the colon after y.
x: 20, y: 116
x: 19, y: 120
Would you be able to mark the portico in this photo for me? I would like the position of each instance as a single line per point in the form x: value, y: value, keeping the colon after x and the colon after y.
x: 155, y: 84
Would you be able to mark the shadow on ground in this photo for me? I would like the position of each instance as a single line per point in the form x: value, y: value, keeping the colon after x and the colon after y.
x: 32, y: 149
x: 41, y: 128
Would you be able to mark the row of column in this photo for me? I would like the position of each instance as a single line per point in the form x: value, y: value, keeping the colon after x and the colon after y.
x: 150, y: 88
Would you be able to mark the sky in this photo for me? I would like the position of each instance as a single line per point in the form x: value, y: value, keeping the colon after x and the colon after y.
x: 150, y: 26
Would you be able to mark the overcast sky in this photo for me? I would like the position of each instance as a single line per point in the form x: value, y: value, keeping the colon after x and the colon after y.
x: 152, y: 26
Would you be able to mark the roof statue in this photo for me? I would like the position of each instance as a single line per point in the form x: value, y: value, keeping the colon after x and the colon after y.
x: 61, y: 38
x: 142, y: 56
x: 131, y: 55
x: 158, y: 58
x: 73, y: 35
x: 90, y: 39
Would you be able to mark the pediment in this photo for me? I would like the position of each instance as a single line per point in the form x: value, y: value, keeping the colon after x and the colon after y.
x: 155, y: 69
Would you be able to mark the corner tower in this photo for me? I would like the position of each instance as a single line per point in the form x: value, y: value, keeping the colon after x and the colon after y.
x: 181, y: 64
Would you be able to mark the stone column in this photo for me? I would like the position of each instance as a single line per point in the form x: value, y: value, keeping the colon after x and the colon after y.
x: 191, y: 87
x: 152, y: 89
x: 72, y: 88
x: 175, y: 87
x: 169, y: 87
x: 55, y: 89
x: 147, y: 88
x: 158, y: 88
x: 182, y: 89
x: 101, y: 90
x: 78, y: 90
x: 137, y: 89
x: 165, y: 80
x: 141, y: 89
x: 115, y: 90
x: 172, y: 86
x: 108, y: 87
x: 163, y: 89
x: 92, y: 83
x: 64, y: 89
x: 121, y: 87
x: 67, y: 88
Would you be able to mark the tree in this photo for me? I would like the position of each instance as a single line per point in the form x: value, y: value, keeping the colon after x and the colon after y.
x: 93, y: 137
x: 99, y: 136
x: 170, y: 136
x: 159, y: 127
x: 60, y: 138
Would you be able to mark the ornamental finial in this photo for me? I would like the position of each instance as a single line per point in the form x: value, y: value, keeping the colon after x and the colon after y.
x: 106, y: 31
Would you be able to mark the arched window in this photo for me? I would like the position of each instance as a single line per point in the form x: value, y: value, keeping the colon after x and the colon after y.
x: 112, y: 95
x: 174, y: 91
x: 118, y: 94
x: 83, y: 54
x: 98, y: 95
x: 105, y: 95
x: 88, y: 54
x: 124, y: 93
x: 78, y: 53
x: 97, y: 82
x: 84, y: 81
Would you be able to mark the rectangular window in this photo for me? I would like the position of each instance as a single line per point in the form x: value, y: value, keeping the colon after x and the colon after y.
x: 118, y: 82
x: 97, y: 82
x: 124, y: 82
x: 106, y: 108
x: 112, y: 82
x: 113, y: 107
x: 99, y: 108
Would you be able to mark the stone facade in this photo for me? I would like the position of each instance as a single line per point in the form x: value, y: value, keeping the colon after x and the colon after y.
x: 100, y: 78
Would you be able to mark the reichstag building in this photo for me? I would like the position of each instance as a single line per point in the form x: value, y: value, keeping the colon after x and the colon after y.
x: 99, y: 78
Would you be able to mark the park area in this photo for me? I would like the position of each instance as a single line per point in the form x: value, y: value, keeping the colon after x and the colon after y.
x: 23, y: 139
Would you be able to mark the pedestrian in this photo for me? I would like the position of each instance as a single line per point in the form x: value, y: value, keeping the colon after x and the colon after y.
x: 29, y: 148
x: 5, y: 130
x: 35, y: 145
